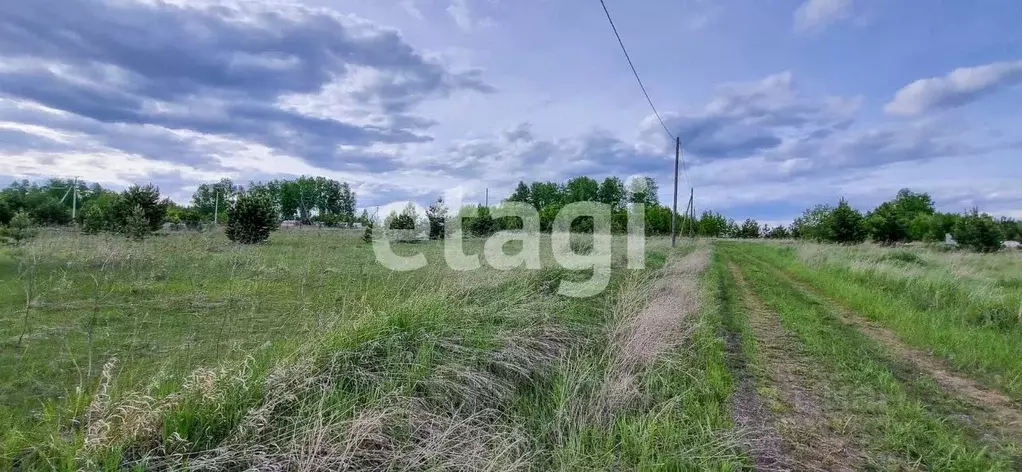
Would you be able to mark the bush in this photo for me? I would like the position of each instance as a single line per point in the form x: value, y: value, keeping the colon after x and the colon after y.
x: 19, y: 229
x: 147, y: 198
x: 483, y: 225
x: 94, y: 220
x: 6, y: 213
x: 978, y: 232
x: 50, y: 212
x: 903, y: 256
x: 250, y: 220
x: 437, y: 216
x: 136, y: 224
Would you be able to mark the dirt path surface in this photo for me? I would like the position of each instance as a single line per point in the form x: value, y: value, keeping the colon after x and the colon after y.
x: 990, y: 406
x: 762, y: 440
x: 801, y: 417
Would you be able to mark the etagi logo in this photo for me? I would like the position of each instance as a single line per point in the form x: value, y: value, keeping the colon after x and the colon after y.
x: 597, y: 256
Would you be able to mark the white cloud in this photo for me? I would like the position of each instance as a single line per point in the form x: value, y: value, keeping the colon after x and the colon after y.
x: 814, y: 15
x: 961, y: 86
x: 464, y: 18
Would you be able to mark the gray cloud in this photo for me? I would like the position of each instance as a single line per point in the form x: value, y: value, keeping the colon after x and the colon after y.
x: 218, y: 69
x: 958, y: 88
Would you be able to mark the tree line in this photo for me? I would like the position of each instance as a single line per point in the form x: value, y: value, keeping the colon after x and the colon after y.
x: 548, y: 198
x: 140, y: 209
x: 908, y: 217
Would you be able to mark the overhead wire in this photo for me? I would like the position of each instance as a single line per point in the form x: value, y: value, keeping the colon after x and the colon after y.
x: 641, y: 86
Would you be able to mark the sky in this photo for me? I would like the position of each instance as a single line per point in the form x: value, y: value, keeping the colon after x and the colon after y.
x: 779, y: 105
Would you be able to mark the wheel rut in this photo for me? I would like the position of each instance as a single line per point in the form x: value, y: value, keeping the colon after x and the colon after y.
x: 803, y: 421
x: 989, y: 406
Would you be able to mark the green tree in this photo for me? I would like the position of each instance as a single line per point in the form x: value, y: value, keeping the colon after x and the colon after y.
x: 1011, y: 229
x: 847, y: 225
x: 888, y: 223
x: 6, y: 212
x: 405, y: 220
x: 210, y: 198
x: 47, y: 210
x: 912, y: 204
x: 365, y: 219
x: 643, y: 190
x: 145, y: 197
x: 778, y: 232
x: 437, y: 216
x: 711, y: 225
x: 581, y: 189
x: 814, y: 224
x: 136, y: 224
x: 548, y: 215
x: 978, y: 231
x: 612, y: 192
x: 545, y: 194
x: 521, y: 194
x: 483, y: 224
x: 94, y: 220
x: 749, y: 229
x: 251, y: 219
x: 19, y: 229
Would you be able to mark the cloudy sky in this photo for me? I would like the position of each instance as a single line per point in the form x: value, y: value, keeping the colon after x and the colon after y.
x: 779, y: 104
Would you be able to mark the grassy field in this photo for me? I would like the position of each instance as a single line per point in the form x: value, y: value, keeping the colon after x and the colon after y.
x: 185, y: 352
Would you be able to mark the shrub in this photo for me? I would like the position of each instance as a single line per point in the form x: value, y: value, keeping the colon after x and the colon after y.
x: 367, y: 235
x: 437, y: 216
x: 51, y: 212
x: 19, y: 229
x: 978, y: 232
x: 250, y: 220
x: 6, y: 212
x: 94, y: 220
x: 136, y: 224
x: 483, y: 224
x: 147, y: 198
x: 903, y: 256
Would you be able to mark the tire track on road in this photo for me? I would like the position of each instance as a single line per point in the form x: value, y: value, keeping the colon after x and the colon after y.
x: 988, y: 405
x: 801, y: 418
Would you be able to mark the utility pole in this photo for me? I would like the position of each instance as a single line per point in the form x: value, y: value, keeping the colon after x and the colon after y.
x: 216, y: 207
x: 674, y: 209
x: 692, y: 198
x: 487, y: 197
x: 74, y: 201
x: 691, y: 210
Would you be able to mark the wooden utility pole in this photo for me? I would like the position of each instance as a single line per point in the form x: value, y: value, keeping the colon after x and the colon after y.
x: 674, y: 209
x: 74, y: 201
x: 216, y: 207
x: 692, y: 209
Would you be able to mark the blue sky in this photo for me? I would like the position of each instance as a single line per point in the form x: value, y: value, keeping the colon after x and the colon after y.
x: 780, y: 104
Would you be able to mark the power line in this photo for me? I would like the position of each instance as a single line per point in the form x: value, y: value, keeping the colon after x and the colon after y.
x: 643, y: 87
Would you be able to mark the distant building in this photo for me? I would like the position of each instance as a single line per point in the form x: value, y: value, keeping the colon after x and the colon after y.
x: 1012, y: 244
x: 356, y: 225
x: 950, y: 241
x: 290, y: 224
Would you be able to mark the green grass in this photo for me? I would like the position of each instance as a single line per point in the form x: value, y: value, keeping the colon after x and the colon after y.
x: 891, y: 415
x: 949, y: 306
x: 187, y: 351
